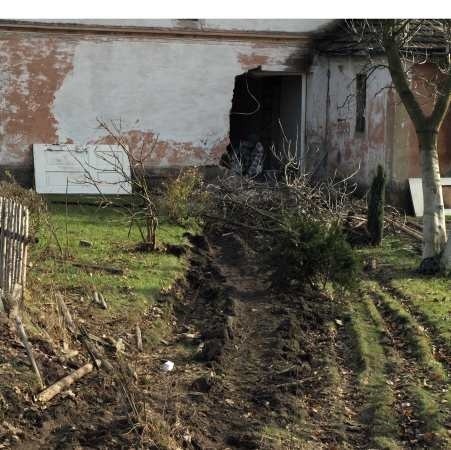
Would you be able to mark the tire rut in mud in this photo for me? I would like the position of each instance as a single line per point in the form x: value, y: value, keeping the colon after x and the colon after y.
x: 408, y: 378
x: 442, y: 349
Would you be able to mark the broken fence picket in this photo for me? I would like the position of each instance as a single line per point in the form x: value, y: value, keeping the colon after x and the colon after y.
x: 14, y: 220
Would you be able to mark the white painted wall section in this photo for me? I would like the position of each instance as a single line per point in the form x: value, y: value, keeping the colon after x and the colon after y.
x: 178, y: 90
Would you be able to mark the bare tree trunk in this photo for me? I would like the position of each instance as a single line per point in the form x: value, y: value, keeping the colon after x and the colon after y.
x: 427, y: 128
x: 151, y: 226
x: 434, y: 226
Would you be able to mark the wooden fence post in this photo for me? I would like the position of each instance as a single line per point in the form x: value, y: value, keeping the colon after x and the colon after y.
x: 14, y: 221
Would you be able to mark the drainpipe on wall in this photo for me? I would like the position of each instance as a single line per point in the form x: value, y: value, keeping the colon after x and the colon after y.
x: 303, y: 118
x: 326, y: 128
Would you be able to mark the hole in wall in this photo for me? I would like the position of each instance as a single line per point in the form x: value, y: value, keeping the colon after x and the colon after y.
x: 266, y: 109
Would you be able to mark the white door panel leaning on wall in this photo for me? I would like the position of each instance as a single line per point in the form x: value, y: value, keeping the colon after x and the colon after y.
x: 416, y: 190
x: 81, y: 169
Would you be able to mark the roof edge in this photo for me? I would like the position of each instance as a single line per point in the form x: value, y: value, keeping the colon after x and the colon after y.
x: 37, y: 26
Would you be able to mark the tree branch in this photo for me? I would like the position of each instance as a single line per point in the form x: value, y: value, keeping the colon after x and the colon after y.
x: 442, y: 104
x: 402, y: 84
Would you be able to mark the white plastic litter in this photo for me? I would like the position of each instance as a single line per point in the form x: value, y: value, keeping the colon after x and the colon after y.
x: 168, y: 366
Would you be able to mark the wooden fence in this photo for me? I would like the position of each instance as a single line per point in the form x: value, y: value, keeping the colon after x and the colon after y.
x: 14, y: 219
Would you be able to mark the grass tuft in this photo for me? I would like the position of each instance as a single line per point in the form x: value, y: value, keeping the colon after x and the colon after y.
x: 365, y: 329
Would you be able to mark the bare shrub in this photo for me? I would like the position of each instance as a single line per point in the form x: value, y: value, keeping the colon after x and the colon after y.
x: 294, y: 222
x: 141, y: 211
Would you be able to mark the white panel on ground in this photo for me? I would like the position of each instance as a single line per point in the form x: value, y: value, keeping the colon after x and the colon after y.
x: 81, y: 169
x: 416, y: 191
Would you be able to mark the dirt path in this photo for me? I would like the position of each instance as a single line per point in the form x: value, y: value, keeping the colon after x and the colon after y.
x: 268, y: 370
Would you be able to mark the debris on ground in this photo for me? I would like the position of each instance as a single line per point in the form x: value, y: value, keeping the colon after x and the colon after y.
x: 167, y: 366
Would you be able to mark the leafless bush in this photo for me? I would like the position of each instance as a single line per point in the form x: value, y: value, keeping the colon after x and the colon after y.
x: 295, y: 223
x: 257, y: 205
x: 141, y: 211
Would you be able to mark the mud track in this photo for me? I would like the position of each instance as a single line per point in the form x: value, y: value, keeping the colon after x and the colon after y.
x: 253, y: 366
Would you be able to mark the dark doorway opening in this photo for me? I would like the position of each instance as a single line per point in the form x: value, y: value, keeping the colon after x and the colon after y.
x: 267, y: 105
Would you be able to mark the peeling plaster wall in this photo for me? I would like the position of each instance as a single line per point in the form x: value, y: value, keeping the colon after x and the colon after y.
x: 33, y: 69
x: 333, y: 144
x: 54, y: 86
x: 389, y: 138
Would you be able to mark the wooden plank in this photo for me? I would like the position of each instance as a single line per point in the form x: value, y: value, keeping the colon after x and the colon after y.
x: 21, y: 244
x: 5, y: 244
x: 12, y: 244
x: 64, y: 383
x: 7, y: 273
x: 15, y: 241
x: 25, y: 249
x: 11, y: 247
x: 2, y: 235
x: 18, y: 266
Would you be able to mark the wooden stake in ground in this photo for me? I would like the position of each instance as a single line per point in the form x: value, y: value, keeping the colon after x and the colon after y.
x: 82, y: 336
x: 139, y: 340
x: 66, y: 314
x: 26, y: 343
x: 102, y: 301
x: 64, y: 383
x: 13, y: 306
x: 26, y: 220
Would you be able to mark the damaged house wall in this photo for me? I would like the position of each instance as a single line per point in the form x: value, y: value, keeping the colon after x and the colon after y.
x: 175, y: 80
x: 334, y: 143
x: 55, y: 83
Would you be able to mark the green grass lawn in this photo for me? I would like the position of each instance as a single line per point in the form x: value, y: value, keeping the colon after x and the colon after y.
x: 430, y: 296
x: 128, y: 295
x: 417, y: 310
